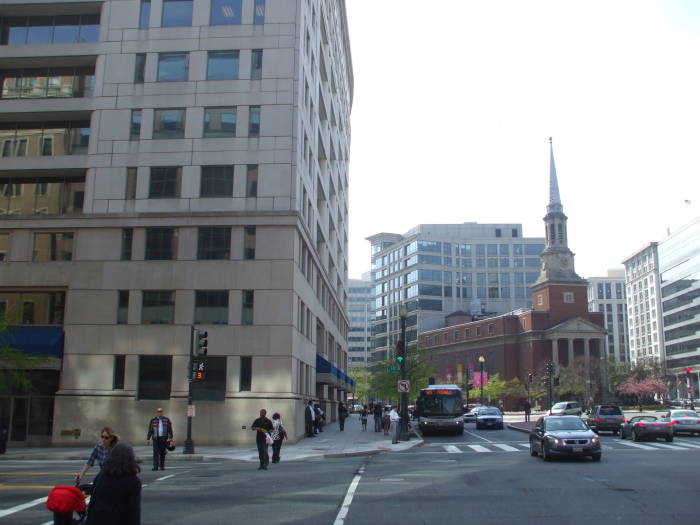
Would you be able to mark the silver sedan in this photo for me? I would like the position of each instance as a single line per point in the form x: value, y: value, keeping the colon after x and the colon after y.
x: 684, y: 421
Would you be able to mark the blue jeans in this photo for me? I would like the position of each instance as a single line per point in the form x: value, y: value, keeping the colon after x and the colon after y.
x: 377, y: 423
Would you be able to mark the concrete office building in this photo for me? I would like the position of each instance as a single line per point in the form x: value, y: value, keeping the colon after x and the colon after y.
x: 171, y: 163
x: 646, y: 337
x: 437, y: 269
x: 679, y: 268
x: 607, y: 295
x: 360, y: 301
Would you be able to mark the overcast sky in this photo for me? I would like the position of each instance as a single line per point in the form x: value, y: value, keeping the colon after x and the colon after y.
x: 455, y: 100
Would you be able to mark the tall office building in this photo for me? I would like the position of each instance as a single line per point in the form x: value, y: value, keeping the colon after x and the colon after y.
x: 360, y: 302
x: 646, y: 336
x: 607, y: 295
x: 170, y: 164
x: 679, y: 268
x: 437, y: 269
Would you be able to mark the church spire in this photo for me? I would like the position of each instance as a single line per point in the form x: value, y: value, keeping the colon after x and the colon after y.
x: 554, y: 200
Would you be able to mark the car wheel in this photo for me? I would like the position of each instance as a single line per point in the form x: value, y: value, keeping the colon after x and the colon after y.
x: 622, y: 434
x: 596, y: 457
x: 669, y: 438
x: 533, y: 452
x: 460, y: 432
x: 545, y: 457
x: 615, y: 432
x: 635, y: 437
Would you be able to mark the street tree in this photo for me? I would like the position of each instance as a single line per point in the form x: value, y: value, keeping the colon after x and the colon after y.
x: 383, y: 382
x: 15, y: 365
x: 643, y: 389
x: 361, y: 376
x: 495, y: 389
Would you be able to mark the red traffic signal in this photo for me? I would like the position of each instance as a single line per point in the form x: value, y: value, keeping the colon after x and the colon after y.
x: 687, y: 370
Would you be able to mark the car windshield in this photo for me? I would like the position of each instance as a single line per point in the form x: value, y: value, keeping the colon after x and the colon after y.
x: 560, y: 405
x: 489, y: 412
x: 645, y: 418
x: 684, y: 413
x: 610, y: 411
x: 440, y: 405
x: 569, y: 423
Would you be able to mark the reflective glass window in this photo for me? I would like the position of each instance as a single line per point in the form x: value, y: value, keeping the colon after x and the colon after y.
x: 259, y: 15
x: 168, y: 123
x: 145, y: 14
x: 256, y: 64
x: 225, y: 12
x: 220, y: 122
x: 254, y: 125
x: 222, y: 65
x: 177, y: 13
x: 164, y: 182
x: 216, y: 181
x: 172, y: 67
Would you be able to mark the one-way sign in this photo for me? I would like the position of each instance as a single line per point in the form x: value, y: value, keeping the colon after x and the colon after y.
x: 404, y: 385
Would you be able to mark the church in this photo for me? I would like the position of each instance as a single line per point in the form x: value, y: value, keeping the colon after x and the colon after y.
x: 558, y: 328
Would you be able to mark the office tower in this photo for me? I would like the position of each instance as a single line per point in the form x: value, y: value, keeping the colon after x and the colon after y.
x: 607, y: 295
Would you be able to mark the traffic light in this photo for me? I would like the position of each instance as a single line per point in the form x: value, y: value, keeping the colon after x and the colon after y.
x: 400, y: 352
x: 529, y: 378
x: 687, y: 370
x: 199, y: 370
x: 201, y: 343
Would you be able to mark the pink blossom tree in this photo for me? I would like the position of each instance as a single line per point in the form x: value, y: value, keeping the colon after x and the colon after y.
x: 641, y: 388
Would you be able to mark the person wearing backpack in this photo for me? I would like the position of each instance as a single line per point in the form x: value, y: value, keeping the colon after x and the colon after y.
x: 278, y: 434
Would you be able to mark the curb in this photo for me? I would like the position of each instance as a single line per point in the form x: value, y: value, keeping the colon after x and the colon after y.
x: 513, y: 427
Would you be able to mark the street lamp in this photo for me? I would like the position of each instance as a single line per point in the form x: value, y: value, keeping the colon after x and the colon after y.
x: 481, y: 382
x: 403, y: 409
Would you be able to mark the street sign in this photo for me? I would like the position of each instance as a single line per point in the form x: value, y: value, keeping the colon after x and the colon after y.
x: 392, y: 368
x: 190, y: 410
x: 404, y: 385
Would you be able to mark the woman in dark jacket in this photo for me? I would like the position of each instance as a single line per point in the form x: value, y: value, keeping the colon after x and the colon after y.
x: 116, y: 498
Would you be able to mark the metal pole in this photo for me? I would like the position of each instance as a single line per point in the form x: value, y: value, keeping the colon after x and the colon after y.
x: 403, y: 428
x: 481, y: 367
x: 189, y: 444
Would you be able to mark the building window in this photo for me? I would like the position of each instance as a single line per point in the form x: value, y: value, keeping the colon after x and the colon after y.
x: 127, y: 243
x: 216, y: 181
x: 540, y: 299
x: 140, y: 68
x: 135, y: 131
x: 478, y: 331
x: 214, y: 243
x: 155, y: 376
x: 168, y: 123
x: 498, y: 232
x: 4, y: 245
x: 220, y: 122
x: 251, y: 180
x: 568, y: 297
x: 60, y: 29
x: 123, y: 306
x: 514, y: 233
x: 492, y: 329
x: 145, y: 14
x: 158, y: 307
x: 259, y: 17
x: 161, y: 244
x: 28, y: 312
x: 53, y: 246
x: 256, y: 64
x: 248, y: 302
x: 225, y: 12
x: 177, y: 13
x: 164, y: 182
x: 246, y: 377
x: 130, y: 191
x: 21, y: 306
x: 222, y: 65
x: 249, y: 242
x: 214, y: 387
x: 118, y: 372
x: 211, y: 307
x: 467, y: 332
x: 254, y: 125
x: 172, y: 67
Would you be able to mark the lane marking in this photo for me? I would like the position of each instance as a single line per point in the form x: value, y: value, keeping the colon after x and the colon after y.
x: 23, y: 506
x: 635, y: 445
x: 9, y: 474
x: 391, y: 479
x: 451, y: 449
x: 5, y: 487
x: 165, y: 477
x: 477, y: 435
x: 345, y: 507
x: 664, y: 445
x: 507, y: 448
x: 683, y: 443
x: 526, y: 445
x: 478, y: 448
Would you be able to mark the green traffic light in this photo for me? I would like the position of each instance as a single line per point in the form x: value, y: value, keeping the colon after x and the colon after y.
x: 399, y: 358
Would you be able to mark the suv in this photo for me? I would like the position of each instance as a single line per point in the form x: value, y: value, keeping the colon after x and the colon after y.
x: 606, y: 417
x: 566, y: 408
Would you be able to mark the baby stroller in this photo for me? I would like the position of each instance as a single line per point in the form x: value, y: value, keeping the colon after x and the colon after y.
x: 68, y: 504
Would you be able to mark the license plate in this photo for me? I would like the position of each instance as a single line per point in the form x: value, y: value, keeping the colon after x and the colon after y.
x: 578, y: 449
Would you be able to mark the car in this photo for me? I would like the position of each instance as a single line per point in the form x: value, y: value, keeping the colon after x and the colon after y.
x: 646, y: 427
x: 566, y: 408
x: 683, y: 421
x: 470, y: 417
x: 489, y: 417
x: 357, y: 408
x: 606, y: 417
x: 564, y: 436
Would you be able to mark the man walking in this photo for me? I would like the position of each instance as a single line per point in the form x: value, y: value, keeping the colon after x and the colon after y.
x: 377, y: 417
x: 527, y: 408
x: 160, y: 430
x: 262, y: 426
x: 395, y: 418
x: 309, y: 417
x: 342, y: 415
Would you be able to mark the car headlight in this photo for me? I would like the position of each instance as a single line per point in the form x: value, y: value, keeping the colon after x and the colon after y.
x: 594, y: 440
x: 554, y: 440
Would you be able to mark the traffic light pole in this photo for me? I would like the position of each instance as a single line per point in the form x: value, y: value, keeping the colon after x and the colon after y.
x: 403, y: 422
x: 189, y: 444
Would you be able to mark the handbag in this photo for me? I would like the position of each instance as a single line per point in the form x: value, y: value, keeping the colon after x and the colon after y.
x: 268, y: 439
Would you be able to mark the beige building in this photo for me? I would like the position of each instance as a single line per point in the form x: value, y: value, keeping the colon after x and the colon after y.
x: 168, y: 164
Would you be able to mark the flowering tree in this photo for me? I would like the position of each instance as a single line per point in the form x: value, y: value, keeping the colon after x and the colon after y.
x: 641, y: 388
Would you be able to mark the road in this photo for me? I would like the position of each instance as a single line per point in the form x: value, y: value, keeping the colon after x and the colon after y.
x: 487, y: 477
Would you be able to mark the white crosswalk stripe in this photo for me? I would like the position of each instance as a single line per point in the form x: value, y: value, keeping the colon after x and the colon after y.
x: 451, y: 449
x: 684, y: 444
x: 526, y: 445
x: 636, y: 445
x: 667, y: 446
x: 505, y: 447
x: 478, y: 448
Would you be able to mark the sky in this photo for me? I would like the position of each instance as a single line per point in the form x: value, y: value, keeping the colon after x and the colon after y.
x: 454, y: 102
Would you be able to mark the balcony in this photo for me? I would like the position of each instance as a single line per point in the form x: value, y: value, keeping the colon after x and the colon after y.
x: 67, y: 82
x: 42, y: 30
x: 44, y: 139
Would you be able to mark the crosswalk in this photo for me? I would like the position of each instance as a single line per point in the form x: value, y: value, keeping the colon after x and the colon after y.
x: 524, y: 446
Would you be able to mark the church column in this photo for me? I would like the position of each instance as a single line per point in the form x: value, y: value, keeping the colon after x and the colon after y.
x: 570, y: 350
x: 587, y: 356
x: 555, y: 352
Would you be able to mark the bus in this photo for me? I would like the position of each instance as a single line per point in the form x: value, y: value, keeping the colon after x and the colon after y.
x: 440, y: 409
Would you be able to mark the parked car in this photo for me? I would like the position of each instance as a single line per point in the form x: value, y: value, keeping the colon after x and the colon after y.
x: 563, y: 436
x: 606, y: 417
x: 470, y: 416
x: 489, y: 417
x: 683, y: 421
x: 646, y: 427
x: 566, y: 408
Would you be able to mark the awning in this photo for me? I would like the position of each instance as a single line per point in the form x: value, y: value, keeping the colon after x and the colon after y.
x: 35, y: 340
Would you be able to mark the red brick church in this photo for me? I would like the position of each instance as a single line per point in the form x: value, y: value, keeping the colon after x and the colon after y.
x: 558, y: 327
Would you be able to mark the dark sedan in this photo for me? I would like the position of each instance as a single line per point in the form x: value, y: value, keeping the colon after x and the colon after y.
x: 646, y: 427
x: 563, y: 436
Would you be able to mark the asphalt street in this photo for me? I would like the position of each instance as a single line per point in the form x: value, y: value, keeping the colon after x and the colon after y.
x: 484, y: 476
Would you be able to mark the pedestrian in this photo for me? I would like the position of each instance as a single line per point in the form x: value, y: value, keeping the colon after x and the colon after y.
x: 108, y: 439
x: 363, y: 418
x: 320, y: 418
x: 386, y: 421
x: 160, y: 428
x: 309, y: 417
x: 527, y: 408
x: 262, y: 426
x: 116, y: 498
x: 342, y: 415
x: 278, y: 434
x: 377, y: 412
x: 394, y: 418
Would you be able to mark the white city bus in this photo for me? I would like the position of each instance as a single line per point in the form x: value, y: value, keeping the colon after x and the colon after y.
x: 440, y: 409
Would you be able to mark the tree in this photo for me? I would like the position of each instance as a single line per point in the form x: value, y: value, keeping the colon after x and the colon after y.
x: 616, y: 373
x: 361, y: 378
x: 15, y: 366
x: 515, y: 388
x: 495, y: 389
x: 383, y: 383
x: 572, y: 380
x: 642, y: 388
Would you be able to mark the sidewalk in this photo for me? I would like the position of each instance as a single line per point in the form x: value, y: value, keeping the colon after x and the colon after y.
x: 331, y: 443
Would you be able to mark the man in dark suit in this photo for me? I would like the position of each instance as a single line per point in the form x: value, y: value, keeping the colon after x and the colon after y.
x: 309, y: 417
x: 161, y: 430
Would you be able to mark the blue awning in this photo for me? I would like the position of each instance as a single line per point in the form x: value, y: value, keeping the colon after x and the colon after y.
x: 322, y: 366
x: 35, y: 340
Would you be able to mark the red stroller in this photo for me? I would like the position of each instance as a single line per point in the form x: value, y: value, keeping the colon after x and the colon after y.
x: 65, y: 502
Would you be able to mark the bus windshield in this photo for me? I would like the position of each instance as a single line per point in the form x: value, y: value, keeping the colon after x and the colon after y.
x: 440, y: 404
